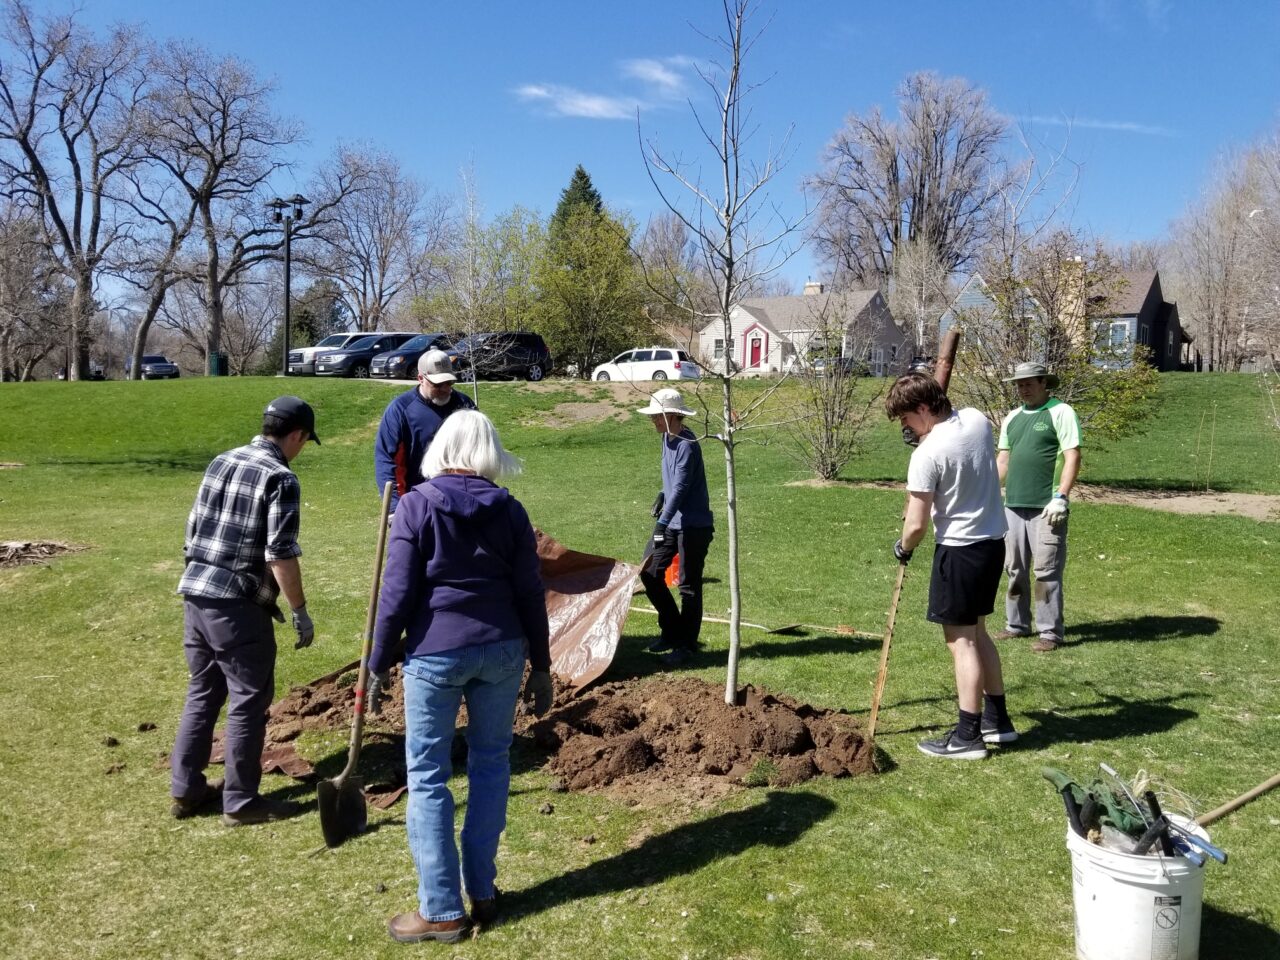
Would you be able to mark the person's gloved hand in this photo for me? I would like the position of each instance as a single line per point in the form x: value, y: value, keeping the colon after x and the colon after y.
x: 1055, y: 512
x: 378, y: 683
x: 909, y: 437
x: 902, y: 553
x: 659, y: 533
x: 539, y: 690
x: 306, y: 630
x: 657, y: 504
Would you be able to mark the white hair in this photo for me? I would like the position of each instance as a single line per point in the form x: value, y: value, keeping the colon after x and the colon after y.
x: 468, y: 441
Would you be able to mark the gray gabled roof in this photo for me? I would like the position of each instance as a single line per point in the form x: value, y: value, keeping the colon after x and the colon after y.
x: 1128, y: 295
x: 805, y: 312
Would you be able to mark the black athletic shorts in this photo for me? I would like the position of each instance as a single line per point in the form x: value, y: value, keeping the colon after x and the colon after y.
x: 964, y: 582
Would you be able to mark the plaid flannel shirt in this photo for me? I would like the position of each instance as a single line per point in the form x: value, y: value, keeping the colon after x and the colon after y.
x: 245, y: 514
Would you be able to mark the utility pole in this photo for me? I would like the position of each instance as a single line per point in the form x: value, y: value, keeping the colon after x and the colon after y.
x: 278, y: 208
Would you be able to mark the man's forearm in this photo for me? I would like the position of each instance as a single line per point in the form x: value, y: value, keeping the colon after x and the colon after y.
x: 1002, y: 464
x: 916, y: 522
x: 288, y: 574
x: 1070, y: 470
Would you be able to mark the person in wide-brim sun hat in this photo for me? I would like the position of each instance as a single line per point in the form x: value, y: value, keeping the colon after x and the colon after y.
x: 666, y: 401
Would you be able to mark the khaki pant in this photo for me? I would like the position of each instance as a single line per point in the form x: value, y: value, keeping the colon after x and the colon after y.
x: 1033, y: 547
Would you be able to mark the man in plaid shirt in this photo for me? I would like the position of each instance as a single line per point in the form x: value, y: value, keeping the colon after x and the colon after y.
x: 241, y: 552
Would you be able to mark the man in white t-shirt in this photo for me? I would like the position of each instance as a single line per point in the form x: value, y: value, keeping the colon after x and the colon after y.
x: 953, y: 478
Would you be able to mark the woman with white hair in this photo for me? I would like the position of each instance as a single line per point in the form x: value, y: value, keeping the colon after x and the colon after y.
x: 462, y: 584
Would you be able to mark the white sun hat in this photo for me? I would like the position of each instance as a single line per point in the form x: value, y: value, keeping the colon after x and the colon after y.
x: 667, y: 401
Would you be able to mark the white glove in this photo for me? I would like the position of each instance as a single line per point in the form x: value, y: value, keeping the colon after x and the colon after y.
x: 1055, y: 512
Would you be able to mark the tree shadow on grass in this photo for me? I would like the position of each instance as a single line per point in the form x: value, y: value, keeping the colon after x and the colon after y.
x: 1229, y: 936
x: 1110, y: 718
x: 1141, y: 629
x: 777, y: 822
x: 182, y: 462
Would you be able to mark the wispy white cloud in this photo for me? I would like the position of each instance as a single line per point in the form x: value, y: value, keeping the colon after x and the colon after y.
x: 660, y: 81
x: 1087, y: 123
x: 568, y: 102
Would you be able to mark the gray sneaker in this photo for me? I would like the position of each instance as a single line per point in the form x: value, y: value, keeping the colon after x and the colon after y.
x: 996, y: 732
x: 953, y: 748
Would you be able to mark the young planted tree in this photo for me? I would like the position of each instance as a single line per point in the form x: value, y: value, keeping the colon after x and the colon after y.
x: 740, y: 240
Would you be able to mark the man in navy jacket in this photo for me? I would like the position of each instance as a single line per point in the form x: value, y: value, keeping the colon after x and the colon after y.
x: 411, y: 421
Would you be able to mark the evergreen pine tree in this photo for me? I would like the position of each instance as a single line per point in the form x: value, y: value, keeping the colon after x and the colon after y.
x: 579, y: 194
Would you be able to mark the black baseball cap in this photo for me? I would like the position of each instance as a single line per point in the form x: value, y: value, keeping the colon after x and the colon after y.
x: 292, y: 413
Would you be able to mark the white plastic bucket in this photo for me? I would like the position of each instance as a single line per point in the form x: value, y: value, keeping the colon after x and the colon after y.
x: 1135, y: 908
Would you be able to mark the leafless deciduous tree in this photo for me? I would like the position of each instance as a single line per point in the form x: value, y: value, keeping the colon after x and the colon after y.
x: 382, y: 241
x: 740, y: 242
x: 934, y: 175
x: 69, y: 104
x: 34, y: 295
x: 920, y: 292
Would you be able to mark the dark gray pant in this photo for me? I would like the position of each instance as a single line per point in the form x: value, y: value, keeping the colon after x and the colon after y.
x: 231, y: 656
x: 680, y: 625
x: 1032, y: 546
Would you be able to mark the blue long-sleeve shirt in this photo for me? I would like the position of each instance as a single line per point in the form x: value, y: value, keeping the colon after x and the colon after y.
x: 408, y: 426
x: 686, y: 503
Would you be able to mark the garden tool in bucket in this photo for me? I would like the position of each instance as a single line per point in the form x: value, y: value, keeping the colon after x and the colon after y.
x: 343, y: 812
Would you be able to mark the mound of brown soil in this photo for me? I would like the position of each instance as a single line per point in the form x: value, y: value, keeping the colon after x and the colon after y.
x: 676, y: 731
x: 14, y: 553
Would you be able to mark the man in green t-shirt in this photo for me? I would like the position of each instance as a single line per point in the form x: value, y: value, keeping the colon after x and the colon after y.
x: 1034, y: 439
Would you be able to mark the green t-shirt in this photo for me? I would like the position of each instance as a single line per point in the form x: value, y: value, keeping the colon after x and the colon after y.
x: 1035, y: 440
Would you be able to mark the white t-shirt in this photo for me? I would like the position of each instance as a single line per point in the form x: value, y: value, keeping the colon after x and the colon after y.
x: 956, y: 462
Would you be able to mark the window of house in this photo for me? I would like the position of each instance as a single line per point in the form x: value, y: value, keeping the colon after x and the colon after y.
x: 1120, y: 335
x: 1144, y: 334
x: 717, y: 351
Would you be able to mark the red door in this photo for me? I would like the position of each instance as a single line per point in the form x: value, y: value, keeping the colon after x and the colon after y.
x: 755, y: 353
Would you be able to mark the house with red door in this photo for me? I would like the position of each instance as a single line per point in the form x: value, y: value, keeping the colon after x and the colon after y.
x: 771, y: 335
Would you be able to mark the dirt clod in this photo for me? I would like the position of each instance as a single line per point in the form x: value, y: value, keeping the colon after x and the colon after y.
x: 146, y: 726
x: 110, y: 741
x: 547, y: 809
x: 114, y: 768
x: 14, y: 553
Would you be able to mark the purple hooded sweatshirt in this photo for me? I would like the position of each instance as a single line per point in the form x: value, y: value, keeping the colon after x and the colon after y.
x: 462, y: 570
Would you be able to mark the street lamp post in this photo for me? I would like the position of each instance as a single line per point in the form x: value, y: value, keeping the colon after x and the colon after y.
x: 278, y: 208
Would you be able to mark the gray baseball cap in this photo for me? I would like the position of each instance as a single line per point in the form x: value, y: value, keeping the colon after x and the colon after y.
x: 436, y: 366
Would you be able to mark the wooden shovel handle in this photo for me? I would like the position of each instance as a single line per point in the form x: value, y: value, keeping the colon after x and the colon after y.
x: 362, y: 678
x: 1207, y: 818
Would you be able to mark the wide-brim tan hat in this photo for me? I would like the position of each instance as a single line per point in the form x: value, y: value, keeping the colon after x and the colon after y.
x: 1031, y: 370
x: 667, y: 401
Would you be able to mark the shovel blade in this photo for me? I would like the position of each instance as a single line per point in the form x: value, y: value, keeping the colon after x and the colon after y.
x: 343, y: 812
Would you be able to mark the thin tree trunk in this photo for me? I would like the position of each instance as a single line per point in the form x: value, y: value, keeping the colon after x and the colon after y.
x: 731, y: 510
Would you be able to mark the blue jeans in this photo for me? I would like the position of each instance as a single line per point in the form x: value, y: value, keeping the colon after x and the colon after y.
x: 488, y: 676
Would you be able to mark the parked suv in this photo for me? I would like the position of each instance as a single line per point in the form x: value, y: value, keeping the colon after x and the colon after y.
x: 302, y: 361
x: 504, y: 354
x: 651, y: 363
x: 354, y: 359
x: 156, y: 367
x: 402, y: 362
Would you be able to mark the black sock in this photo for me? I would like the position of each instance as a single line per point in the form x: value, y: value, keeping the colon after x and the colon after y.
x: 967, y: 727
x: 993, y: 707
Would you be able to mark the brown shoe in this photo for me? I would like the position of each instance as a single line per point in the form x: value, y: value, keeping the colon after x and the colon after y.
x: 261, y: 810
x: 1044, y: 645
x: 485, y: 911
x: 207, y: 799
x: 411, y: 928
x: 1009, y: 635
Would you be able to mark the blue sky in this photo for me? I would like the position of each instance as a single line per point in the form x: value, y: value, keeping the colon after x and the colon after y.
x: 1155, y: 90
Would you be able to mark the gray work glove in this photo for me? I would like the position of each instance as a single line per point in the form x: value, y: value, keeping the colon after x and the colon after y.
x: 538, y: 689
x: 378, y: 684
x: 306, y: 630
x: 1056, y: 511
x: 659, y: 534
x: 902, y: 553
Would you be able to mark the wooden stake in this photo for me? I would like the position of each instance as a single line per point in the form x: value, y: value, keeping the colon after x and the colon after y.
x: 883, y: 675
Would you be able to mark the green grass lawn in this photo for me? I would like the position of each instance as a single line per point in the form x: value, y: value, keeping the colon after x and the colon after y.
x: 1172, y: 665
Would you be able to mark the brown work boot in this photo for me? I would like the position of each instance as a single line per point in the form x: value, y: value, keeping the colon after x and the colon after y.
x: 411, y: 928
x: 485, y: 911
x: 1009, y: 635
x: 261, y: 810
x: 207, y: 799
x: 1045, y: 645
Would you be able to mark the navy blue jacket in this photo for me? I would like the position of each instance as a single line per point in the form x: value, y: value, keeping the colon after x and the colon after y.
x: 408, y: 426
x: 462, y: 569
x: 685, y: 504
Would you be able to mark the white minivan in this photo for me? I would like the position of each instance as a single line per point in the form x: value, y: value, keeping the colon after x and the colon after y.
x: 650, y: 363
